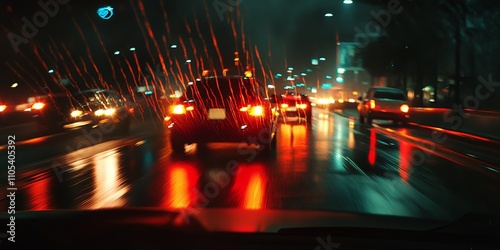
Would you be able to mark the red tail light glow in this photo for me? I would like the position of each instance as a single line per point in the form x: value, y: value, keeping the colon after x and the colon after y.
x: 372, y: 104
x: 38, y: 105
x: 405, y: 108
x: 302, y: 106
x: 256, y: 111
x: 3, y: 107
x: 181, y: 109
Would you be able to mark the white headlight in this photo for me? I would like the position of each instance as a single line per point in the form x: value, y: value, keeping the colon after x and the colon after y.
x: 76, y: 113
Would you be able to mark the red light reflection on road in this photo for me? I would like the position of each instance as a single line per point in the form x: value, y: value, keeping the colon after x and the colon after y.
x: 109, y: 189
x: 38, y: 192
x: 181, y: 182
x: 250, y: 186
x: 372, y: 154
x: 404, y: 160
x: 294, y: 143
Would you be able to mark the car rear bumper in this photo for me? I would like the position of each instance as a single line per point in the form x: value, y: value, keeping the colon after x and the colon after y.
x: 220, y: 131
x: 382, y: 115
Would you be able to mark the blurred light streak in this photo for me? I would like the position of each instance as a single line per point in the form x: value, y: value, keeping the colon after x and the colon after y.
x: 109, y: 186
x: 38, y: 192
x: 404, y: 160
x: 372, y: 153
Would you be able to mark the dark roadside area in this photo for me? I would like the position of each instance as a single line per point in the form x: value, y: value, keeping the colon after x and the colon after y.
x: 433, y: 129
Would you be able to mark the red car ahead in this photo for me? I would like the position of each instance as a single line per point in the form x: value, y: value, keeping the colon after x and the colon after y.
x: 296, y: 107
x: 224, y: 109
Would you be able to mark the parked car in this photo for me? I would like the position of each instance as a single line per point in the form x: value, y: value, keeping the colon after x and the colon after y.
x: 384, y: 103
x: 223, y: 109
x: 93, y: 107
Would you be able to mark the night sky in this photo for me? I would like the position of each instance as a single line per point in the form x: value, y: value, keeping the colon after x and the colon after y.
x: 76, y: 41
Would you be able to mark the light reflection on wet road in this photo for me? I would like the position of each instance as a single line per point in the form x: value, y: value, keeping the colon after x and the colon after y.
x: 337, y: 164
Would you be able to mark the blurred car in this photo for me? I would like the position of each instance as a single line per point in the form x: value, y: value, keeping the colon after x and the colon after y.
x: 223, y: 109
x: 93, y: 107
x: 384, y: 103
x: 295, y: 107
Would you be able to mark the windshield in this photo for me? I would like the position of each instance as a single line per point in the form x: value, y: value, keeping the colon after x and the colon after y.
x: 432, y: 155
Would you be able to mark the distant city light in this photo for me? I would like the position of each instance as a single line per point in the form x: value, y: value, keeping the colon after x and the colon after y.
x: 188, y: 61
x: 328, y: 14
x: 340, y: 79
x: 347, y: 1
x: 309, y: 70
x: 51, y: 71
x: 14, y: 85
x: 290, y: 68
x: 303, y: 74
x: 341, y: 70
x: 173, y: 46
x: 117, y: 52
x: 322, y: 59
x: 314, y: 61
x: 132, y: 49
x: 328, y: 77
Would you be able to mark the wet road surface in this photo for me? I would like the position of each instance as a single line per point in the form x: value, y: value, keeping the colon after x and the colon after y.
x: 334, y: 164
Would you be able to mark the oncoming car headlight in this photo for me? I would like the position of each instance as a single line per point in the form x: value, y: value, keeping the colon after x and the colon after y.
x: 107, y: 112
x: 76, y: 113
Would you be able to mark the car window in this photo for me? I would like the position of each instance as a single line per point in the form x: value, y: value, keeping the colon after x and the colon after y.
x: 389, y: 95
x: 221, y: 88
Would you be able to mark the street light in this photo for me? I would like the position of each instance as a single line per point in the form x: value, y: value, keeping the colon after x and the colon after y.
x: 328, y: 15
x: 347, y: 1
x: 132, y: 49
x: 322, y: 59
x: 173, y: 46
x: 117, y: 52
x: 51, y: 71
x: 14, y: 85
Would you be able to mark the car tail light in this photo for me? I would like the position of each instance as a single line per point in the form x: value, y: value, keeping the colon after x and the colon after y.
x: 302, y: 106
x: 405, y: 108
x: 38, y: 105
x: 3, y: 107
x: 179, y: 109
x: 256, y: 111
x: 372, y: 104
